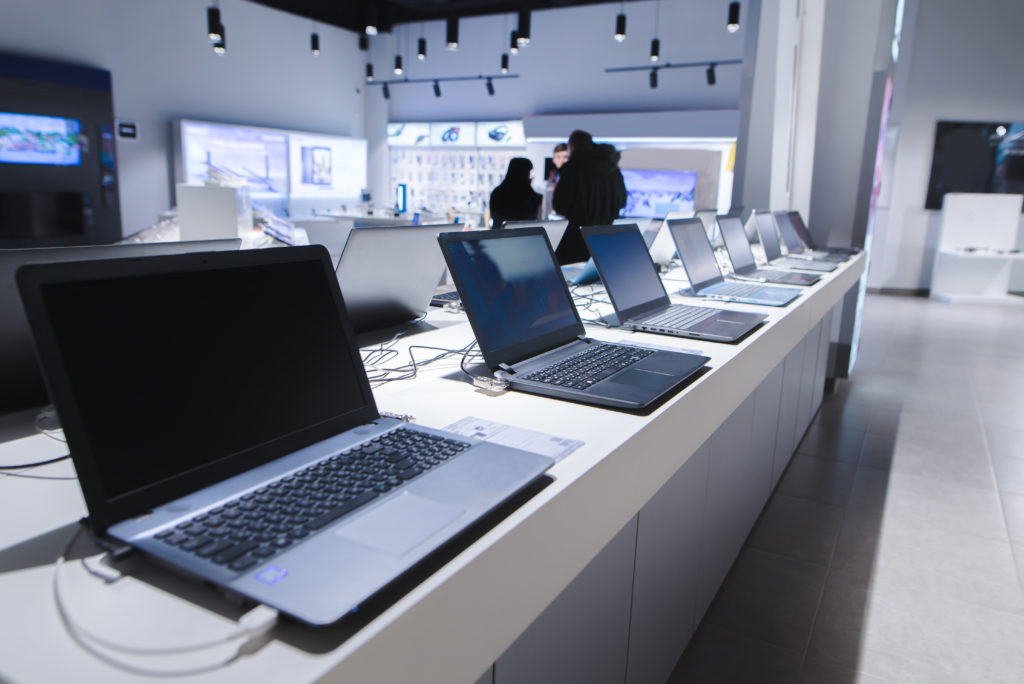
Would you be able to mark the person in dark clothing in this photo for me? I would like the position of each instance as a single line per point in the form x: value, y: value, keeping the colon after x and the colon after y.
x: 590, y: 191
x: 515, y: 199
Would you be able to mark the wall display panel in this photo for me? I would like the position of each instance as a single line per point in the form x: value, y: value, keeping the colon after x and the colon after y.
x: 258, y: 155
x: 326, y: 165
x: 456, y: 134
x: 651, y: 193
x: 408, y: 134
x: 976, y: 157
x: 34, y: 139
x: 500, y: 134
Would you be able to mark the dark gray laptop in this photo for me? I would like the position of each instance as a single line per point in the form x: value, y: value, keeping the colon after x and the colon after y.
x: 791, y: 224
x: 220, y: 419
x: 531, y: 335
x: 765, y: 224
x: 742, y: 257
x: 22, y: 381
x: 388, y: 274
x: 705, y: 276
x: 641, y: 303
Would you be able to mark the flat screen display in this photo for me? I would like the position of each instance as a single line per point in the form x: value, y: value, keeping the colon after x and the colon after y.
x: 695, y: 252
x: 259, y: 156
x: 513, y: 287
x: 769, y: 238
x: 736, y: 242
x: 626, y: 268
x: 35, y: 139
x: 976, y: 157
x: 652, y: 193
x: 326, y: 165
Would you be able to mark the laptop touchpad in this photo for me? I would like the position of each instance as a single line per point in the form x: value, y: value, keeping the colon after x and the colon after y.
x: 400, y: 524
x: 644, y: 379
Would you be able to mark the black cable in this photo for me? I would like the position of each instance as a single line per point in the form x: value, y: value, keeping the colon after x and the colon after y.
x: 33, y: 465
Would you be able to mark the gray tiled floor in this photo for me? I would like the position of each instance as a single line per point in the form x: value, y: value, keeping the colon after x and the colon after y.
x: 893, y: 548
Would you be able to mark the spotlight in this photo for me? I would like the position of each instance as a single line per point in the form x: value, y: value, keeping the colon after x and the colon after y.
x: 733, y: 24
x: 655, y: 49
x: 711, y: 75
x: 387, y: 92
x: 371, y: 30
x: 220, y: 46
x: 620, y: 27
x: 314, y: 43
x: 1000, y: 131
x: 523, y: 31
x: 452, y: 32
x: 369, y: 73
x: 213, y: 23
x: 421, y: 51
x: 490, y: 87
x: 437, y: 89
x: 513, y: 43
x: 398, y: 65
x: 654, y: 78
x: 504, y: 63
x: 364, y: 42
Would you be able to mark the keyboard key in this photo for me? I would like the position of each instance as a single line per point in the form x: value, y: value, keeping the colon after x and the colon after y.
x: 244, y: 563
x: 338, y: 511
x: 234, y: 552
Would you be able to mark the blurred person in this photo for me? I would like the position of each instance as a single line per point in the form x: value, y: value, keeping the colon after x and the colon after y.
x: 515, y: 199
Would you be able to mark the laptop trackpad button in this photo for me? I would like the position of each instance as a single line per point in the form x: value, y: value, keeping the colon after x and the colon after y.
x: 401, y: 524
x: 645, y: 379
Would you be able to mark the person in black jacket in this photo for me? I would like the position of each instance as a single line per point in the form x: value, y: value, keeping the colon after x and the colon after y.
x: 515, y: 199
x: 590, y: 191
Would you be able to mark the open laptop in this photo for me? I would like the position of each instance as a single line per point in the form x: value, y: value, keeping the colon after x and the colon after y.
x: 658, y: 242
x: 705, y: 276
x: 388, y: 274
x: 220, y: 420
x: 554, y: 229
x: 531, y: 335
x: 639, y: 297
x: 792, y: 221
x: 22, y: 382
x: 796, y: 247
x: 765, y: 224
x: 742, y: 257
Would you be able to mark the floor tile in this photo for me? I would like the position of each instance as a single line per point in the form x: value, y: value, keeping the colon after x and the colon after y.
x: 870, y: 488
x: 799, y: 528
x: 838, y: 443
x: 921, y: 504
x: 769, y: 597
x: 818, y: 479
x: 838, y: 627
x: 967, y: 465
x: 859, y: 539
x: 1009, y: 474
x: 1013, y: 507
x: 818, y: 672
x: 877, y: 450
x: 716, y: 656
x: 1001, y: 415
x: 1005, y: 442
x: 1018, y: 556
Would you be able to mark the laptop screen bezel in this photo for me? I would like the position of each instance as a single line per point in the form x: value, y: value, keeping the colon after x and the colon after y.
x: 659, y: 302
x: 106, y: 510
x: 789, y: 237
x: 761, y: 235
x: 797, y: 221
x: 685, y: 224
x: 513, y: 353
x: 745, y: 252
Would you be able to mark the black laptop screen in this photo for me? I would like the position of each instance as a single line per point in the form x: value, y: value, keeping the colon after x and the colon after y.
x: 769, y: 238
x: 626, y: 269
x: 695, y: 252
x: 172, y: 372
x: 736, y: 243
x: 514, y: 291
x: 788, y: 233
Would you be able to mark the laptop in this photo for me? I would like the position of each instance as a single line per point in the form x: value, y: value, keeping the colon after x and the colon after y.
x: 765, y: 224
x: 793, y: 220
x: 705, y: 276
x: 388, y: 274
x: 531, y: 335
x: 742, y: 257
x: 639, y: 297
x: 659, y: 244
x: 707, y: 217
x: 220, y: 420
x: 22, y: 383
x: 795, y: 246
x: 554, y: 229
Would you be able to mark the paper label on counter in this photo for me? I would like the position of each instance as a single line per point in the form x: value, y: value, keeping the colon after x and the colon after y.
x: 519, y: 438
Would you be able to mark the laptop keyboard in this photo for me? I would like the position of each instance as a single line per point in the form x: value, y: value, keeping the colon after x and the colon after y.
x: 736, y: 289
x: 585, y: 368
x: 258, y: 525
x: 680, y: 317
x: 445, y: 297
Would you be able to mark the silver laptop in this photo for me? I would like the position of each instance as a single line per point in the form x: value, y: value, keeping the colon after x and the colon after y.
x: 705, y: 276
x: 799, y: 242
x: 220, y: 419
x: 766, y: 231
x: 639, y: 297
x: 554, y: 229
x: 742, y: 257
x: 388, y: 274
x: 22, y: 382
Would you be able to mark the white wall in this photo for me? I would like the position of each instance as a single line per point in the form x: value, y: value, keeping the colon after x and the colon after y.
x: 163, y: 68
x: 562, y: 71
x: 962, y: 62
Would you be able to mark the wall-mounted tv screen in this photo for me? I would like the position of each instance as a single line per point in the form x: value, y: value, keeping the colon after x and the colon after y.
x: 36, y: 139
x: 651, y: 193
x: 259, y: 156
x: 326, y: 165
x: 976, y: 157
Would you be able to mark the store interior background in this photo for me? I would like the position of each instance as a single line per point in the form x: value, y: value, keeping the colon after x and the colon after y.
x: 807, y: 97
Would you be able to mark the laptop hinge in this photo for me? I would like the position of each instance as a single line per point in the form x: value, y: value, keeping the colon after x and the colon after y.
x: 584, y: 338
x: 507, y: 368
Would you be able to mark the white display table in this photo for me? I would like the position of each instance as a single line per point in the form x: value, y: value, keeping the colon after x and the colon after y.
x: 618, y: 558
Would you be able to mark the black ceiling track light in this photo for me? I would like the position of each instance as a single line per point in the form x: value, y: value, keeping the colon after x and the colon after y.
x: 314, y: 43
x: 504, y: 62
x: 711, y: 74
x: 421, y: 49
x: 369, y: 73
x: 437, y: 89
x: 213, y: 23
x: 370, y: 19
x: 620, y: 27
x: 513, y: 43
x: 733, y: 25
x: 364, y: 42
x: 655, y: 50
x: 523, y: 30
x: 386, y: 91
x: 488, y: 80
x: 490, y: 87
x: 452, y: 33
x: 654, y: 78
x: 220, y: 46
x: 398, y: 65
